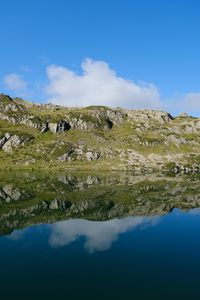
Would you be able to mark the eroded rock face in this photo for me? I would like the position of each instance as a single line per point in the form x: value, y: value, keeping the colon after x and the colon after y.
x: 81, y: 124
x: 109, y: 117
x: 13, y: 142
x: 192, y: 126
x: 54, y: 204
x: 116, y: 117
x: 10, y: 193
x: 79, y: 153
x: 173, y: 139
x: 148, y: 115
x: 95, y: 118
x: 59, y: 127
x: 58, y: 204
x: 8, y: 142
x: 92, y: 155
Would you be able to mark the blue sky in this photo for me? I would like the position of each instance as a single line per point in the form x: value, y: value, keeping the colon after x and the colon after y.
x: 152, y: 46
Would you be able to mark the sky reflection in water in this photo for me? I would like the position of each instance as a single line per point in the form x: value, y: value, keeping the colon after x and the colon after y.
x: 98, y: 236
x: 152, y: 257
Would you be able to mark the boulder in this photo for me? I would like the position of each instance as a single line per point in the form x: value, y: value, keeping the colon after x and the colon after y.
x: 8, y: 141
x: 92, y: 155
x: 13, y: 142
x: 59, y: 126
x: 54, y: 204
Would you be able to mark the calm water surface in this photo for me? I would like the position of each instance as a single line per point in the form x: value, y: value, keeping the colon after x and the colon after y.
x: 129, y: 258
x: 155, y: 256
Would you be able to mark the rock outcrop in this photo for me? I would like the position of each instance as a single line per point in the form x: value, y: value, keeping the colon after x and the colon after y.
x: 75, y: 152
x: 8, y: 142
x: 147, y: 115
x: 59, y: 126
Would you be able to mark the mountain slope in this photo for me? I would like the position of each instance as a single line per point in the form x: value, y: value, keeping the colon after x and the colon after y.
x: 96, y: 138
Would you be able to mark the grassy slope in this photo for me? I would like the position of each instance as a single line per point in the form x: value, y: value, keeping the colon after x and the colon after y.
x: 45, y: 147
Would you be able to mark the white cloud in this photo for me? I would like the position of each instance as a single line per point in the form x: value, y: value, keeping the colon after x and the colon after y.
x: 189, y: 103
x: 99, y: 235
x: 98, y: 85
x: 15, y: 82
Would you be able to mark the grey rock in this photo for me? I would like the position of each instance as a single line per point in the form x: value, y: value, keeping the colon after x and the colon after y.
x: 92, y: 155
x: 2, y: 141
x: 12, y: 192
x: 13, y: 142
x: 7, y: 135
x: 58, y: 127
x: 148, y: 115
x: 54, y: 204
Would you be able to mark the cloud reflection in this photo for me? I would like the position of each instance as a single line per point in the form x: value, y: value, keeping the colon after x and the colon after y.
x: 99, y: 236
x: 194, y: 211
x: 17, y: 235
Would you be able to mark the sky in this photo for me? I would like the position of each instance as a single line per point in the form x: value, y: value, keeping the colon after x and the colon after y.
x: 130, y: 53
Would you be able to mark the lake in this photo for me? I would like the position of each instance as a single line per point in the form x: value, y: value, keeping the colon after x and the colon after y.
x: 99, y: 236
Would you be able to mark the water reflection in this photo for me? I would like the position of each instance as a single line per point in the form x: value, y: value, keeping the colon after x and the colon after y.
x: 98, y: 236
x: 29, y: 198
x: 50, y: 222
x: 51, y: 261
x: 17, y: 235
x: 194, y: 211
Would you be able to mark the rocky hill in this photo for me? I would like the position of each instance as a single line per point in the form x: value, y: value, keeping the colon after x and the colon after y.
x: 37, y: 197
x: 96, y: 138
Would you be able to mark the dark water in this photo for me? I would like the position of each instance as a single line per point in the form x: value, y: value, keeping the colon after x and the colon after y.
x: 156, y: 256
x: 129, y: 258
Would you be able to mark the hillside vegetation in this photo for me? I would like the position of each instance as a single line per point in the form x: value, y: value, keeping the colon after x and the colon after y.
x: 96, y: 138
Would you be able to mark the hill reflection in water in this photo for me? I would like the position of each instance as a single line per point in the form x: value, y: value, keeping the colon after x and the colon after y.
x: 107, y: 236
x: 31, y: 198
